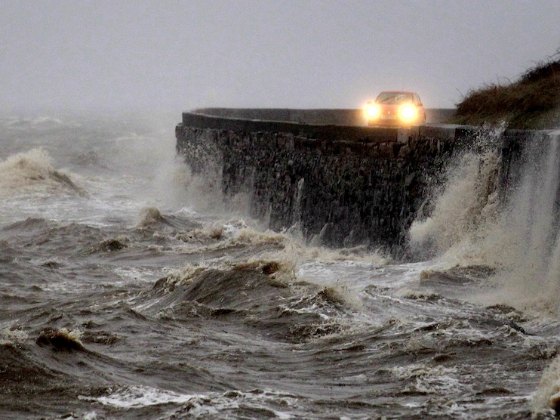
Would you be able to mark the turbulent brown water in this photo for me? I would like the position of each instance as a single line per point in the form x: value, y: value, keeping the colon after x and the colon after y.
x: 128, y: 289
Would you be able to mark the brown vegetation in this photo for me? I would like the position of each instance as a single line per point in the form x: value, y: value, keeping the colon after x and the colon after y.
x: 533, y: 101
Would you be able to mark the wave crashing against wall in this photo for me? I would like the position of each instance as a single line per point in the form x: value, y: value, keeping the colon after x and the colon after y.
x: 511, y: 226
x: 343, y: 185
x: 353, y: 185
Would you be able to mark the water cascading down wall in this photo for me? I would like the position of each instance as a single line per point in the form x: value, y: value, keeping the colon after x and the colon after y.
x: 340, y: 185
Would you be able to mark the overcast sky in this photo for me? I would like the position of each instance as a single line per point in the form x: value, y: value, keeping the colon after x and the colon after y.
x: 176, y: 55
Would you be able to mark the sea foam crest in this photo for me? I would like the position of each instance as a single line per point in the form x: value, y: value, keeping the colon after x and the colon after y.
x: 33, y: 169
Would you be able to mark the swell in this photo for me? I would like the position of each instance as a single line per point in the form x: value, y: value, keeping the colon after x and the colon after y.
x: 262, y: 295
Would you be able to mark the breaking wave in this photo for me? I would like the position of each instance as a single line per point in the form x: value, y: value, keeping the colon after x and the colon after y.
x: 517, y: 238
x: 34, y: 169
x: 236, y: 235
x: 467, y: 205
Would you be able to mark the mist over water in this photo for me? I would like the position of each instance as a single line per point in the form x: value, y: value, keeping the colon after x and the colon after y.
x: 130, y: 289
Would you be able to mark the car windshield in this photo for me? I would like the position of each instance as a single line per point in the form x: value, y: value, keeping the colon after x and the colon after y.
x: 393, y: 98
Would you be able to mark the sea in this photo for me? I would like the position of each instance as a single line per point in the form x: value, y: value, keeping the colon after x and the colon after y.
x: 131, y: 288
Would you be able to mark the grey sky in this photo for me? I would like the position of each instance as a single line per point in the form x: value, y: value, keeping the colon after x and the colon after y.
x: 167, y: 55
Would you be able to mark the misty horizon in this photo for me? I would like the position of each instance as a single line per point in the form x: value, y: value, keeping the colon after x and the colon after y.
x: 173, y: 56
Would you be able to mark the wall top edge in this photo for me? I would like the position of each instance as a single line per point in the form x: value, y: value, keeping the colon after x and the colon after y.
x: 201, y: 119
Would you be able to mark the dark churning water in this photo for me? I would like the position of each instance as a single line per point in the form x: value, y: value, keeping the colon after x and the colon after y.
x: 128, y: 289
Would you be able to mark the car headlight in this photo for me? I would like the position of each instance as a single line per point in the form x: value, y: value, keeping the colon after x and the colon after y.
x: 372, y: 111
x: 408, y: 113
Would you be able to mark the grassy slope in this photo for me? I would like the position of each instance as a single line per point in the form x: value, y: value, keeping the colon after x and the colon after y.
x: 533, y: 101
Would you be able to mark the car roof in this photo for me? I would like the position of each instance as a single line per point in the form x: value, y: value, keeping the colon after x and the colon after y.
x: 398, y: 91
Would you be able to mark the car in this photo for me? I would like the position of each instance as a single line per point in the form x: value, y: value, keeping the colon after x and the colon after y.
x: 395, y: 109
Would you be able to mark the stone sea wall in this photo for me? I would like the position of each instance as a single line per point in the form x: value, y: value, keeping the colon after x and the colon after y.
x: 341, y: 185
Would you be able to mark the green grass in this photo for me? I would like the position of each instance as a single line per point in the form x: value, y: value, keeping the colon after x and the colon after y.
x: 532, y: 102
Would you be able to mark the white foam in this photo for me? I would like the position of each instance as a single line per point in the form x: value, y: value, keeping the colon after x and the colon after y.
x: 431, y: 380
x: 213, y: 403
x: 140, y: 396
x: 10, y: 336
